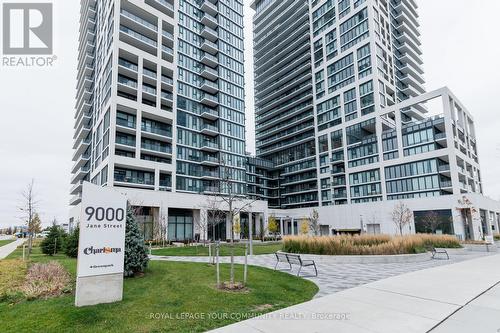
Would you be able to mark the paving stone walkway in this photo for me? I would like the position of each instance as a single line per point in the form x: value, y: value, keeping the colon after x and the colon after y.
x: 333, y: 278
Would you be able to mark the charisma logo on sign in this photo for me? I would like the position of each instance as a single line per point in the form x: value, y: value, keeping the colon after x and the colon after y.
x: 103, y: 250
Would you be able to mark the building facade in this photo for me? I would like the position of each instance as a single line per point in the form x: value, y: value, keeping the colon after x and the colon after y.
x: 342, y: 113
x: 343, y: 122
x: 160, y: 106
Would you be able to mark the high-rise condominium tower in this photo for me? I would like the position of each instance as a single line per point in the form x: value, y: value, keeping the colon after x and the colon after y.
x: 160, y: 102
x: 342, y: 113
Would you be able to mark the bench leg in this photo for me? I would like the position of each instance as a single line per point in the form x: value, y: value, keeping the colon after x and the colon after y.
x: 315, y: 270
x: 276, y: 266
x: 298, y: 273
x: 290, y: 266
x: 447, y: 256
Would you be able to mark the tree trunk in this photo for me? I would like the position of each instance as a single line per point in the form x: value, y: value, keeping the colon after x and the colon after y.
x: 231, y: 215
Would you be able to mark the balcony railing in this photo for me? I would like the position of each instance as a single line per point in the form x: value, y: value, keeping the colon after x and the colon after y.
x: 156, y: 130
x: 125, y: 123
x: 166, y: 4
x: 149, y: 73
x: 157, y: 147
x: 167, y: 49
x: 138, y: 36
x: 134, y: 180
x: 139, y: 20
x: 125, y: 141
x: 211, y: 144
x: 127, y: 82
x: 167, y: 95
x: 210, y: 127
x: 149, y: 90
x: 167, y: 34
x: 167, y: 80
x: 127, y: 64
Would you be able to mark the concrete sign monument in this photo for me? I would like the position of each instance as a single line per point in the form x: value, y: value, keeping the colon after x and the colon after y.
x: 101, y: 246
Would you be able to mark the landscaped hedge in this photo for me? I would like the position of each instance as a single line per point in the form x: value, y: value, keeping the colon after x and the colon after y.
x: 496, y: 237
x: 367, y: 244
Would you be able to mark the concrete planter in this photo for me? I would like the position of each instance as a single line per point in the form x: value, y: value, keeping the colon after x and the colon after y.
x: 481, y: 247
x: 369, y: 259
x: 459, y: 251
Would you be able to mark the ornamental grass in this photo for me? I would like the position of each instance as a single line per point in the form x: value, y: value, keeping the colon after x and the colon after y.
x: 367, y: 244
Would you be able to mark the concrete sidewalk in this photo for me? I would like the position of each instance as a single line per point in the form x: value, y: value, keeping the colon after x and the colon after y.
x: 9, y: 248
x: 440, y: 299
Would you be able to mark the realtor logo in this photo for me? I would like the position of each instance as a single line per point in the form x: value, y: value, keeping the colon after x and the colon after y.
x: 27, y: 29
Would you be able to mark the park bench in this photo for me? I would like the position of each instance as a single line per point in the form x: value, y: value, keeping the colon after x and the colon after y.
x: 434, y: 251
x: 294, y: 259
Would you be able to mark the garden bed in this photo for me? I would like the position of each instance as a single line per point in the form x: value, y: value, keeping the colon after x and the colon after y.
x: 481, y: 247
x: 367, y: 245
x: 371, y: 259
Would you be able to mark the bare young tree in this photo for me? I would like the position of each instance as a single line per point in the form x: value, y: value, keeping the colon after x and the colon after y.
x: 214, y: 213
x: 28, y: 208
x: 314, y: 222
x: 431, y: 221
x: 235, y: 204
x: 402, y: 216
x: 201, y: 222
x: 161, y: 228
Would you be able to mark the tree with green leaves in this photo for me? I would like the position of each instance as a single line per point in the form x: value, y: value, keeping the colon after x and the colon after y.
x: 304, y: 227
x: 53, y: 243
x: 36, y: 225
x: 272, y: 225
x: 136, y: 256
x: 71, y: 246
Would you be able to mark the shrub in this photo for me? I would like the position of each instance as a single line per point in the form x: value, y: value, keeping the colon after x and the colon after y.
x: 54, y: 241
x: 71, y: 245
x: 367, y: 244
x: 46, y: 280
x: 136, y: 256
x: 496, y: 237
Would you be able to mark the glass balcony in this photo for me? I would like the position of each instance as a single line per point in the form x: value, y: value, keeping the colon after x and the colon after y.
x: 156, y: 130
x: 167, y: 95
x: 149, y: 73
x: 210, y: 159
x: 166, y: 4
x: 139, y: 20
x: 210, y: 100
x: 210, y: 145
x: 157, y: 147
x: 211, y: 189
x: 209, y: 46
x: 124, y: 140
x: 125, y: 123
x: 149, y: 90
x: 167, y: 50
x: 127, y: 82
x: 138, y: 36
x: 209, y: 113
x: 167, y: 34
x: 135, y: 180
x: 167, y: 80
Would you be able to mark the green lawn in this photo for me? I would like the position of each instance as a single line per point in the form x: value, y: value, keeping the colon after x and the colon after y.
x: 169, y: 289
x: 225, y: 250
x: 6, y: 241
